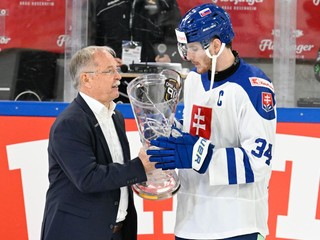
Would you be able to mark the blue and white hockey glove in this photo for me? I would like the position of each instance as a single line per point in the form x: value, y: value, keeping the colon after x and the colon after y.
x: 186, y: 151
x: 178, y: 124
x: 176, y: 129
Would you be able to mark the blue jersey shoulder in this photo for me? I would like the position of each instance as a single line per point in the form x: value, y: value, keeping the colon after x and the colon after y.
x: 258, y: 87
x: 255, y: 83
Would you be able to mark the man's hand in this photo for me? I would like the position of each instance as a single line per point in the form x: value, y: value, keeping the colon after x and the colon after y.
x: 148, y: 166
x: 185, y: 151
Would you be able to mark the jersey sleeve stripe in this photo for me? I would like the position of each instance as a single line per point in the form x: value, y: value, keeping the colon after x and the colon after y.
x: 247, y: 166
x: 232, y: 171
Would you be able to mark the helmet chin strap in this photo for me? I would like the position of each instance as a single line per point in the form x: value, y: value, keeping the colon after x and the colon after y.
x: 214, y: 62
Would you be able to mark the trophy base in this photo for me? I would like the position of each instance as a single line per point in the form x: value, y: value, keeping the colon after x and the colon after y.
x: 159, y: 186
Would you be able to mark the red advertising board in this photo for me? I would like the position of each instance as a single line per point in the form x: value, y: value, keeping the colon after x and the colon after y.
x: 253, y: 23
x: 32, y: 24
x: 40, y: 24
x: 307, y: 29
x: 294, y: 187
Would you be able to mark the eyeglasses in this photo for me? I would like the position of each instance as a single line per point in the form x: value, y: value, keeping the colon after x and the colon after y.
x: 110, y: 72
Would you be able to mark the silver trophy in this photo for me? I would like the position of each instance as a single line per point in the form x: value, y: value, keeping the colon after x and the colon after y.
x: 154, y: 98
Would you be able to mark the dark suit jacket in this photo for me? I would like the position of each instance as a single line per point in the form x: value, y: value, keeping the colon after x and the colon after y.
x: 83, y: 197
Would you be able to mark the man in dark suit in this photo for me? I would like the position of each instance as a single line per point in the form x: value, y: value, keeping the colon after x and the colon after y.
x: 90, y: 171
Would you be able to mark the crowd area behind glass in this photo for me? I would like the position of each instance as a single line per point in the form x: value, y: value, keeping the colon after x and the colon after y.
x: 37, y: 39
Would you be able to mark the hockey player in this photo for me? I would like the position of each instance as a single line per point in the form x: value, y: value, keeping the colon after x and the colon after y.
x: 224, y: 154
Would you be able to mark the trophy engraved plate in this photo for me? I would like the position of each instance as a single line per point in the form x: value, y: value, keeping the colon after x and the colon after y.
x: 154, y: 98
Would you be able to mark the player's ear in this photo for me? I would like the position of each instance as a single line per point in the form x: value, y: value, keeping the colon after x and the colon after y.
x: 216, y: 43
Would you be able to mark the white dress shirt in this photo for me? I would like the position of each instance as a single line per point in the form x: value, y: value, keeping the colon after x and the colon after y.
x: 104, y: 117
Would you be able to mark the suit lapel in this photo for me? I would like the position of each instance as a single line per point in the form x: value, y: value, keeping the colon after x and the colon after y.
x: 119, y: 125
x: 104, y: 144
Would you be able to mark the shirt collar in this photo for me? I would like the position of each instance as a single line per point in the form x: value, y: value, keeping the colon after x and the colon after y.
x: 97, y: 107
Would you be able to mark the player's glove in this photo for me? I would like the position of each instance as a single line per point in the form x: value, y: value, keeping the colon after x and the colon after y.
x: 178, y: 124
x: 185, y: 151
x: 176, y: 128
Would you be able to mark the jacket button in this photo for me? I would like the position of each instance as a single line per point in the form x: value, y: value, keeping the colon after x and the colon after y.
x: 111, y: 226
x: 116, y: 203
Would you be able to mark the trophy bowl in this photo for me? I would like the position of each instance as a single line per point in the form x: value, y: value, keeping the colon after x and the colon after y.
x: 154, y: 98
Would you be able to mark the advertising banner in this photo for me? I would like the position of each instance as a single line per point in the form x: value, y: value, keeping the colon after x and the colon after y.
x: 33, y: 24
x: 40, y: 25
x: 253, y: 23
x: 294, y: 188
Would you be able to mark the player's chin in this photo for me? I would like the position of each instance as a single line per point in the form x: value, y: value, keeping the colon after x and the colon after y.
x: 201, y: 70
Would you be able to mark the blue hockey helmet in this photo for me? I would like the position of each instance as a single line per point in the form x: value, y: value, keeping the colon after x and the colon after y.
x: 202, y: 23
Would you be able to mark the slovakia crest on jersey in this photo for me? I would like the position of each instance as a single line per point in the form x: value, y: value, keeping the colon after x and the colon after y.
x: 200, y: 124
x: 267, y: 101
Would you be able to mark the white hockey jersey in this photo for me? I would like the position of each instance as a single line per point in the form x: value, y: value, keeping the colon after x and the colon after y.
x: 239, y: 116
